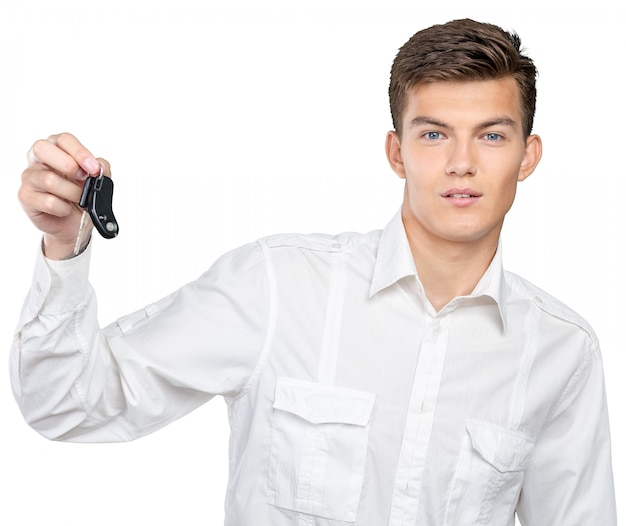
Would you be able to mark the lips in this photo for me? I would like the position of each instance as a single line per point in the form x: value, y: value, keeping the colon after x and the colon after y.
x: 461, y: 197
x: 461, y: 193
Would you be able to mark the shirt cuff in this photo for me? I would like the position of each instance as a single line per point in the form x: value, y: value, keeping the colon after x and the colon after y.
x: 58, y: 286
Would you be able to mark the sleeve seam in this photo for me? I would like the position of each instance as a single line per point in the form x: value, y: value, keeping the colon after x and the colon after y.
x: 271, y: 325
x: 574, y: 381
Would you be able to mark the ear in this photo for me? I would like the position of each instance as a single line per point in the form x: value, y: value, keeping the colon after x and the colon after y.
x: 532, y: 156
x: 393, y: 150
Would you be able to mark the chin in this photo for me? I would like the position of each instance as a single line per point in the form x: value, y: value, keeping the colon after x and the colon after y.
x: 471, y: 235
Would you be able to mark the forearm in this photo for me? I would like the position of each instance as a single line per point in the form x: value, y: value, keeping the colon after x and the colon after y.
x: 52, y: 349
x: 76, y: 382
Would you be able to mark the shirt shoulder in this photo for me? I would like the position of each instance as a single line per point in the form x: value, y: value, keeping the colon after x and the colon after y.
x: 550, y: 306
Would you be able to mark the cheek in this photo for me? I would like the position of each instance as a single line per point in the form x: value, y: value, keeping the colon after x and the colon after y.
x: 503, y: 173
x: 421, y: 171
x: 419, y: 186
x: 506, y: 195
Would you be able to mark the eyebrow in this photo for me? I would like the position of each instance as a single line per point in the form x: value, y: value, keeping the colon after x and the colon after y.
x: 420, y: 121
x: 425, y: 120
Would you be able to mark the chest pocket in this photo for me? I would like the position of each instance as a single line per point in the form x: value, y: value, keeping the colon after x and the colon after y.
x: 489, y: 475
x: 319, y: 446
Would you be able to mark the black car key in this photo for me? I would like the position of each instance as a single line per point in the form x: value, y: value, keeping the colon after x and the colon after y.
x: 97, y: 201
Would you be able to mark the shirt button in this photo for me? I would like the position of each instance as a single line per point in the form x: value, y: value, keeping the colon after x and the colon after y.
x: 426, y: 406
x: 38, y: 287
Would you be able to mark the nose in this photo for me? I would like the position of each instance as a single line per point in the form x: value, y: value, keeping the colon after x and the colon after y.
x: 461, y: 161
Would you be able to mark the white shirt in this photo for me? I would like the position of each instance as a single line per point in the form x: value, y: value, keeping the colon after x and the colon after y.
x: 351, y: 401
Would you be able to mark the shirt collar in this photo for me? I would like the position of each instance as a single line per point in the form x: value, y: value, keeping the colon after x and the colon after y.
x: 493, y: 285
x: 394, y: 261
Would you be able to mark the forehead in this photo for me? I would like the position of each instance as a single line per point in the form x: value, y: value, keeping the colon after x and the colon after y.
x: 464, y: 102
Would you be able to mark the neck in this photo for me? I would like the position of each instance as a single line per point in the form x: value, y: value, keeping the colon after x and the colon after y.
x: 448, y: 269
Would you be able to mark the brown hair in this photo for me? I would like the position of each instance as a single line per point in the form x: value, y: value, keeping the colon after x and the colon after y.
x: 462, y: 50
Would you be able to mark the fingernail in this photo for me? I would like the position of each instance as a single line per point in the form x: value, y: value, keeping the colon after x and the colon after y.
x: 92, y: 165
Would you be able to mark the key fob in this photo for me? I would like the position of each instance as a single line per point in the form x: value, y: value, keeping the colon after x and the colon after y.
x: 97, y: 200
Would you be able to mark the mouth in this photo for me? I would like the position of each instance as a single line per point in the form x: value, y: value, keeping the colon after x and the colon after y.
x: 461, y: 197
x: 464, y: 193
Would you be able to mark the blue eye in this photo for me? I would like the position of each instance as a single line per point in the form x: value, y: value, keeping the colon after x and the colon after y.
x: 493, y: 136
x: 433, y: 135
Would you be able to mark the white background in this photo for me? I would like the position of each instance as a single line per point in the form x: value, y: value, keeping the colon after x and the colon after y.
x: 226, y: 121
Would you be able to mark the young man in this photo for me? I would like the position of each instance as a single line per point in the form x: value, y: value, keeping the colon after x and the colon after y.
x: 391, y: 378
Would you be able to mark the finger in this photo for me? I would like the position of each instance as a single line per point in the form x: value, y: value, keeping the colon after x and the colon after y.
x: 70, y: 144
x: 46, y: 154
x: 49, y: 182
x: 106, y: 166
x: 64, y: 154
x: 37, y: 203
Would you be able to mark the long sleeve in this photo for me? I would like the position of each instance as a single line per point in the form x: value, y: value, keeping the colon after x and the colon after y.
x: 349, y: 398
x: 75, y: 381
x: 569, y: 479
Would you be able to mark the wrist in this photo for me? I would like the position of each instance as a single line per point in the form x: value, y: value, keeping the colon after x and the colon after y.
x: 56, y: 249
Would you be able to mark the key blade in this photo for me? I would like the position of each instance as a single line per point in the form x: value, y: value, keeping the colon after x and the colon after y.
x: 82, y: 231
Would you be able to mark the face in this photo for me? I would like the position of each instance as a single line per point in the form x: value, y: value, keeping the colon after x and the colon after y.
x: 462, y: 153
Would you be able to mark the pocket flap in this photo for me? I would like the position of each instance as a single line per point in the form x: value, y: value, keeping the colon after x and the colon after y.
x: 323, y: 403
x: 504, y: 448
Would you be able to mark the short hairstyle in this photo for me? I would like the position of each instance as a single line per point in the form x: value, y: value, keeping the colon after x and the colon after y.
x: 462, y: 50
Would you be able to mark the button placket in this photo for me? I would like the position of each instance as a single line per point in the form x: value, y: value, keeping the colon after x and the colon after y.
x: 419, y: 422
